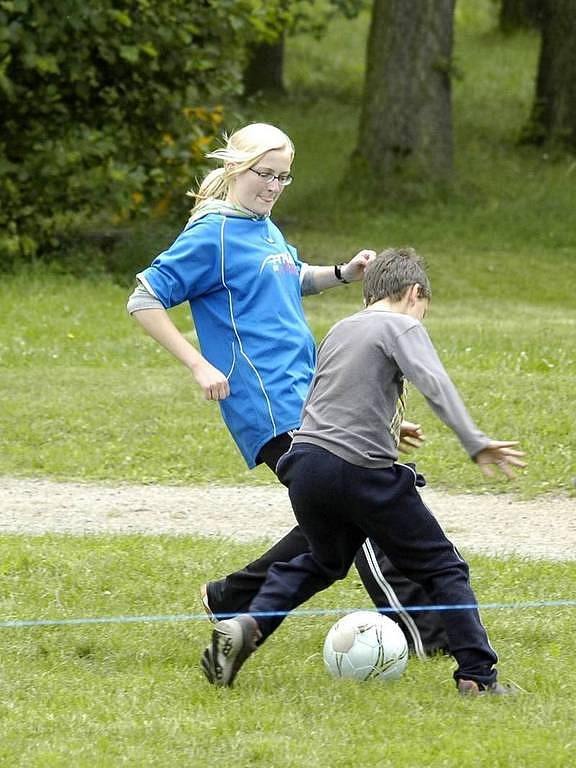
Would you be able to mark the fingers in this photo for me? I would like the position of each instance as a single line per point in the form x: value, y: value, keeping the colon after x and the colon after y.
x: 515, y: 462
x: 505, y: 463
x: 508, y: 456
x: 505, y: 451
x: 366, y: 254
x: 361, y: 260
x: 217, y: 392
x: 409, y: 426
x: 505, y: 469
x: 486, y: 470
x: 414, y: 431
x: 411, y: 442
x: 502, y: 456
x: 415, y: 441
x: 496, y: 445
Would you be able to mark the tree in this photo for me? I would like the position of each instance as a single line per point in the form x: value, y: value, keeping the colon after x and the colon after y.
x: 264, y: 72
x: 520, y: 14
x: 406, y: 117
x: 553, y: 117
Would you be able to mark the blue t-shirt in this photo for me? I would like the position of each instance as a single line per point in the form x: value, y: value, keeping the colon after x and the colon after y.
x: 242, y: 281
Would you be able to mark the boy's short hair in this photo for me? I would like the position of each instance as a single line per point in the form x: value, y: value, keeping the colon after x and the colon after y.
x: 392, y: 272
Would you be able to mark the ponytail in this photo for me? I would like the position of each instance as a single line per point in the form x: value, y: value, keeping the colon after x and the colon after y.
x: 214, y: 186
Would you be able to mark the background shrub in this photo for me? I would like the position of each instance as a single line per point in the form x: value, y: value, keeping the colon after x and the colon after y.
x: 108, y: 108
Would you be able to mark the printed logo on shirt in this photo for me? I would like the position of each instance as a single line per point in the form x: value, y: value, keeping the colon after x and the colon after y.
x: 280, y: 262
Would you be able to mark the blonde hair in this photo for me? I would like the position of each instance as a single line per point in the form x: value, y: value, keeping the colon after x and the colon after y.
x: 243, y: 149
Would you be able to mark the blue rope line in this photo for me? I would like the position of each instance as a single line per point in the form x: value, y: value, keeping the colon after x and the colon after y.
x: 22, y: 623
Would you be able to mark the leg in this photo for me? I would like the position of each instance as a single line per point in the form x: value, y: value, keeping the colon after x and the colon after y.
x: 391, y: 589
x: 390, y: 510
x: 385, y: 585
x: 233, y: 593
x: 319, y: 502
x: 333, y: 543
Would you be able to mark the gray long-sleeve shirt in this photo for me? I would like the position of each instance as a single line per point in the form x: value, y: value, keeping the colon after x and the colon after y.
x: 357, y: 399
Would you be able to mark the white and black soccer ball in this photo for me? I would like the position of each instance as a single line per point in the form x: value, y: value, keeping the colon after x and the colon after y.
x: 365, y: 645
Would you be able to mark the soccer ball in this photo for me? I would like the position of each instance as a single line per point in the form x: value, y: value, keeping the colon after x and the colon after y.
x: 365, y: 645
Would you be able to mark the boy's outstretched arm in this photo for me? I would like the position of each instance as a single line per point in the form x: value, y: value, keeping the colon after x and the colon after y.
x: 502, y: 455
x: 418, y: 360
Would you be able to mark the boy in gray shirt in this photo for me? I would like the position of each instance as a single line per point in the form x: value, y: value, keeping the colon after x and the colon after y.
x: 345, y: 481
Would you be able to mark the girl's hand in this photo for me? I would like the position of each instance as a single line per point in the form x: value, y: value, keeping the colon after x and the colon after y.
x: 213, y: 382
x: 354, y: 270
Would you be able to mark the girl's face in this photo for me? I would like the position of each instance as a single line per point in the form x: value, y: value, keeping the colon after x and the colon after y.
x: 251, y: 191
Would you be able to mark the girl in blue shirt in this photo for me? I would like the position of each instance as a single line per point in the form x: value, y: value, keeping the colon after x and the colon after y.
x: 244, y: 284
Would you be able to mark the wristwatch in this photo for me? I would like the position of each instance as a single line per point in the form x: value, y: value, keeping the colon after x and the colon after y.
x: 338, y: 273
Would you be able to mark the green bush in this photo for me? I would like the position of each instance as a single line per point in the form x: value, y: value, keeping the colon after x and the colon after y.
x: 108, y: 107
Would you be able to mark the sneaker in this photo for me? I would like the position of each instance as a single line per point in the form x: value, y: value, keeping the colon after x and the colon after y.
x: 206, y: 603
x: 233, y: 640
x: 472, y: 688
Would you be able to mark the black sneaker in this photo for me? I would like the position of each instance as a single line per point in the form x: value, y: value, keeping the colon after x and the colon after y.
x: 233, y: 640
x: 473, y: 688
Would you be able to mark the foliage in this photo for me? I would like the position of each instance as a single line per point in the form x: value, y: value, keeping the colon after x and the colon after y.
x: 311, y: 17
x: 108, y: 107
x: 306, y: 16
x: 500, y: 313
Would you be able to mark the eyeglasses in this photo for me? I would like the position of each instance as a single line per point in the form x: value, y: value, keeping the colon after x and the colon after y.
x: 284, y: 179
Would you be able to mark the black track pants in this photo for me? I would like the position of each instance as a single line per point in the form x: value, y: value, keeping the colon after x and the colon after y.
x: 337, y: 505
x: 387, y: 587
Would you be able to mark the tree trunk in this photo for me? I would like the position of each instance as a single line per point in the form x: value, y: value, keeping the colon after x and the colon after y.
x: 406, y: 120
x: 553, y: 118
x: 520, y: 14
x: 264, y: 72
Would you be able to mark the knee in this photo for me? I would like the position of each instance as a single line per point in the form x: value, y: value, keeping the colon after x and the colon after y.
x: 335, y: 573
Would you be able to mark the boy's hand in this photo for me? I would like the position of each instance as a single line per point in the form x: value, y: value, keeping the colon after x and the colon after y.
x: 411, y: 437
x: 501, y: 454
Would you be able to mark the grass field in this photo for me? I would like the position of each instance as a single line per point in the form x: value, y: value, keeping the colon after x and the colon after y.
x: 85, y: 395
x: 133, y: 694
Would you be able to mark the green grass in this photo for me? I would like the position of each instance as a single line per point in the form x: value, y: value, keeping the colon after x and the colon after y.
x: 86, y: 395
x: 133, y: 694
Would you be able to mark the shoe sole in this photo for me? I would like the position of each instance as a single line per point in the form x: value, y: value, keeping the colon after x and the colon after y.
x: 471, y: 689
x: 232, y: 640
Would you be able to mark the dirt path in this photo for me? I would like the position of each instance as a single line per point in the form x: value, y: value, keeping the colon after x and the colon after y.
x: 484, y: 523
